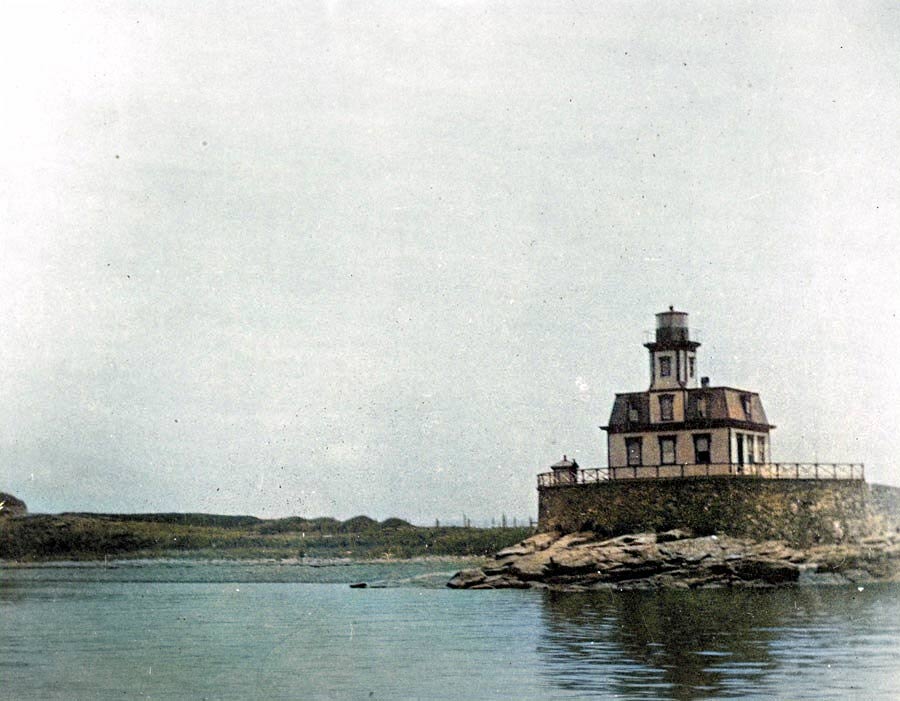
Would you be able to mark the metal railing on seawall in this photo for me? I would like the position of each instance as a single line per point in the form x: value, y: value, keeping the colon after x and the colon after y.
x: 770, y: 470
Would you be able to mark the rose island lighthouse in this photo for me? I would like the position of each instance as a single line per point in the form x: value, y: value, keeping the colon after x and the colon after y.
x: 681, y: 428
x: 676, y: 422
x: 685, y: 455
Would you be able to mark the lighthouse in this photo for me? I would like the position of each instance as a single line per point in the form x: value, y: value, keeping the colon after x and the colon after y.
x: 679, y: 427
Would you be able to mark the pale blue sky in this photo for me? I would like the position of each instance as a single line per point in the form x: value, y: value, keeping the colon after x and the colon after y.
x: 396, y: 258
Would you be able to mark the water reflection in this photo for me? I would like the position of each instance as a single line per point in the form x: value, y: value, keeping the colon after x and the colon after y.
x: 682, y: 645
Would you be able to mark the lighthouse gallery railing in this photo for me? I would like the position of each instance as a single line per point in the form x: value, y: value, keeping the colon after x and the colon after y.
x: 775, y: 470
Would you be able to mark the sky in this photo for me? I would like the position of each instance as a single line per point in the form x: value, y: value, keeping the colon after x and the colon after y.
x: 396, y: 258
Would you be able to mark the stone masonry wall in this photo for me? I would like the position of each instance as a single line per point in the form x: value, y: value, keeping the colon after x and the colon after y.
x: 884, y: 508
x: 802, y: 512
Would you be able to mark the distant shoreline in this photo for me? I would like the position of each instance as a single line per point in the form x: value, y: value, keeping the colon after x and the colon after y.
x: 190, y: 557
x: 85, y: 537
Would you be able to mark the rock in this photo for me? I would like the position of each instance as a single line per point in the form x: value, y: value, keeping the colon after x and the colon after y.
x: 858, y: 576
x: 530, y: 567
x: 777, y: 550
x: 359, y: 585
x: 834, y: 558
x: 675, y: 559
x: 499, y: 582
x: 811, y: 577
x: 504, y: 583
x: 542, y: 540
x: 534, y: 544
x: 674, y: 534
x: 643, y: 570
x: 691, y: 551
x: 466, y: 579
x: 764, y: 570
x: 631, y: 539
x: 499, y: 569
x: 572, y: 561
x: 513, y: 551
x: 702, y: 582
x: 568, y: 541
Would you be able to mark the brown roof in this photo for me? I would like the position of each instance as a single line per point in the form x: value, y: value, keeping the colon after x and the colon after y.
x: 564, y: 463
x: 723, y: 404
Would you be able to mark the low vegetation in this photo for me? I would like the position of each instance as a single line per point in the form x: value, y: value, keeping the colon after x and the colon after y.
x: 82, y: 536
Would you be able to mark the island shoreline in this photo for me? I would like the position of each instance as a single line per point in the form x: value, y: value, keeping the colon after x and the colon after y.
x: 677, y: 559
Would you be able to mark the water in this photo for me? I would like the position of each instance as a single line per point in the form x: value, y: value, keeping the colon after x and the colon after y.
x: 266, y: 631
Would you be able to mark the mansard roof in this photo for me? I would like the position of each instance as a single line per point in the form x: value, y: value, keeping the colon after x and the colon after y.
x: 724, y: 407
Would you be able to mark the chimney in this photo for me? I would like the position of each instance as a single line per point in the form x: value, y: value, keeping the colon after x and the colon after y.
x: 704, y: 382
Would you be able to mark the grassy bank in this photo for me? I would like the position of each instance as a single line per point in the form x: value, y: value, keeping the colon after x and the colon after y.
x: 96, y: 536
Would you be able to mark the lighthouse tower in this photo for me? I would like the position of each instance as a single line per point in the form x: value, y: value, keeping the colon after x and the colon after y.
x: 673, y: 355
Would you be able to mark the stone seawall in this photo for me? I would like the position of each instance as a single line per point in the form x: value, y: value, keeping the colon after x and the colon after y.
x: 884, y: 508
x: 800, y: 512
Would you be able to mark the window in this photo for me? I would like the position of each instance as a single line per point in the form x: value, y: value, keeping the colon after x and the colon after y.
x: 761, y: 448
x: 665, y: 407
x: 633, y: 414
x: 665, y: 366
x: 691, y: 366
x: 748, y: 443
x: 667, y: 450
x: 747, y: 403
x: 702, y: 449
x: 633, y: 450
x: 701, y: 407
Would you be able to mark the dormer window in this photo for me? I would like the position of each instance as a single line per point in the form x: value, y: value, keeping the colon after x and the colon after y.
x: 665, y: 366
x: 666, y: 402
x: 746, y: 402
x: 633, y: 415
x: 701, y: 407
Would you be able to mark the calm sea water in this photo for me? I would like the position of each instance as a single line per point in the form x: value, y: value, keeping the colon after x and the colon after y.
x: 269, y: 631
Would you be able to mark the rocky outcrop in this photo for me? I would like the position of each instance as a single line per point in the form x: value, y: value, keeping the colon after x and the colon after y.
x: 676, y: 559
x: 11, y: 506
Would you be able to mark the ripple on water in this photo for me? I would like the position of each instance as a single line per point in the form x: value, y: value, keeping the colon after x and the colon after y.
x: 239, y: 632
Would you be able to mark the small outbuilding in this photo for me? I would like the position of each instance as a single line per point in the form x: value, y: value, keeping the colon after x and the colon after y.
x: 565, y: 471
